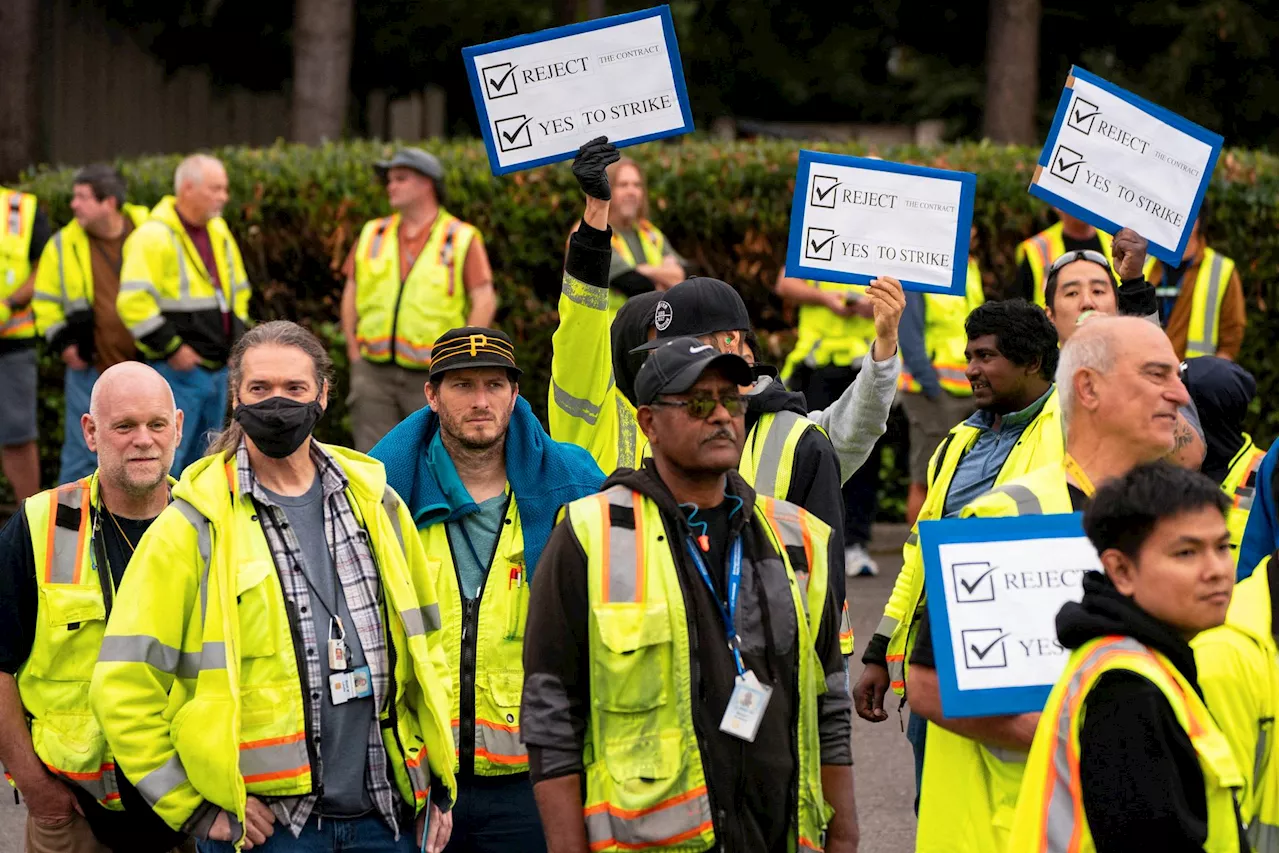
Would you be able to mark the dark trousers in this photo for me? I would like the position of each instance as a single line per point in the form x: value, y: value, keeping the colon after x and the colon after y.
x: 496, y: 814
x: 917, y: 728
x: 821, y: 388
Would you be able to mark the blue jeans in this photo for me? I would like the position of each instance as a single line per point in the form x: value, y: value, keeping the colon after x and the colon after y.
x: 77, y: 460
x: 496, y: 814
x: 368, y: 834
x: 202, y: 396
x: 917, y: 728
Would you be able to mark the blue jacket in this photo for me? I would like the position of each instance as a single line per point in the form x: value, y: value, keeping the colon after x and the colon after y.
x: 1260, y: 532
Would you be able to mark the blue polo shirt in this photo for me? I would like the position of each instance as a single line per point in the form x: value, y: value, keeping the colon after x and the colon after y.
x: 978, y: 468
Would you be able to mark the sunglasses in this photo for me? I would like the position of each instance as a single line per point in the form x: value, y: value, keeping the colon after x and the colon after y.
x: 701, y: 407
x: 1080, y: 255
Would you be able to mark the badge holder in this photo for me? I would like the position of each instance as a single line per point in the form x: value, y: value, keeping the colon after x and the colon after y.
x: 345, y: 686
x: 337, y: 645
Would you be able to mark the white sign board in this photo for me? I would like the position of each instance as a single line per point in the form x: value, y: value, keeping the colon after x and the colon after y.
x: 854, y: 219
x: 1116, y: 160
x: 541, y: 96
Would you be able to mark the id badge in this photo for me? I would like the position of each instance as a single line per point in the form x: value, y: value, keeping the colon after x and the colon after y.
x: 361, y: 683
x: 342, y: 688
x: 746, y: 707
x: 337, y: 654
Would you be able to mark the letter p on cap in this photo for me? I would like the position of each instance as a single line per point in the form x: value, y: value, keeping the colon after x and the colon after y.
x: 478, y: 341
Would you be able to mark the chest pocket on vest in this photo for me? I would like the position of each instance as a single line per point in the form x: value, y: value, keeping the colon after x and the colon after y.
x: 73, y: 617
x: 258, y: 604
x: 426, y: 295
x: 766, y: 618
x: 631, y: 671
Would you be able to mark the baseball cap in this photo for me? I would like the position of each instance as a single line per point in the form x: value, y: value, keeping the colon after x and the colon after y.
x: 472, y: 346
x: 697, y: 306
x: 412, y: 158
x: 678, y: 363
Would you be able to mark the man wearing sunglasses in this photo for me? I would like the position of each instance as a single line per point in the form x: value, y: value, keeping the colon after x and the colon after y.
x: 670, y: 666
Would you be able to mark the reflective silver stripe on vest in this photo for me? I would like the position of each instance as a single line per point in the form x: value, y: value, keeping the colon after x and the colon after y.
x: 1206, y: 345
x: 145, y: 327
x: 416, y: 354
x: 139, y: 648
x: 15, y: 213
x: 771, y: 455
x: 913, y: 538
x: 102, y: 787
x: 273, y: 758
x: 375, y: 245
x: 391, y: 503
x: 421, y: 620
x: 210, y: 656
x: 162, y: 780
x: 62, y: 267
x: 1005, y: 754
x: 623, y: 571
x: 184, y: 278
x: 66, y: 542
x: 786, y: 522
x: 1024, y: 499
x: 1060, y: 812
x: 887, y: 626
x: 501, y: 746
x: 628, y: 431
x: 652, y: 828
x: 576, y: 407
x: 1263, y: 836
x: 581, y: 293
x: 203, y: 543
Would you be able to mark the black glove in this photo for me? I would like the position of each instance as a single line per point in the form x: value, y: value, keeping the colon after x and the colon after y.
x: 589, y: 166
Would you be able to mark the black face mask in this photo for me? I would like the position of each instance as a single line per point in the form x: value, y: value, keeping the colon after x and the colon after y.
x: 278, y: 425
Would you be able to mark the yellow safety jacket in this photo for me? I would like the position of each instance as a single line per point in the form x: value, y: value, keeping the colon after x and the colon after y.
x: 646, y: 788
x: 652, y: 243
x: 1046, y: 247
x: 970, y: 789
x: 1211, y: 286
x: 1050, y: 815
x: 1239, y: 487
x: 164, y: 280
x: 415, y: 310
x: 824, y: 337
x: 1041, y: 444
x: 64, y: 279
x: 19, y: 212
x: 197, y: 685
x: 497, y: 617
x: 945, y: 338
x: 1236, y: 668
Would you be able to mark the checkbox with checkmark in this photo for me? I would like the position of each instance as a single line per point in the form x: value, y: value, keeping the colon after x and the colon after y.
x: 513, y: 133
x: 1081, y: 115
x: 819, y: 243
x: 984, y: 648
x: 973, y: 582
x: 500, y: 80
x: 1066, y: 164
x: 823, y: 193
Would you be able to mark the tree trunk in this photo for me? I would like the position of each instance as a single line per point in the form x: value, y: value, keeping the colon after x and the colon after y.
x: 323, y: 37
x: 1013, y: 71
x: 19, y: 102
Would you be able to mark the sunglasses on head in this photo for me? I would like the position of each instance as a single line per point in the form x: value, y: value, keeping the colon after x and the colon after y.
x: 1080, y: 255
x: 701, y: 406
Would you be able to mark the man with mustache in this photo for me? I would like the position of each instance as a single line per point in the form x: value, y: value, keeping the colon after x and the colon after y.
x: 671, y: 672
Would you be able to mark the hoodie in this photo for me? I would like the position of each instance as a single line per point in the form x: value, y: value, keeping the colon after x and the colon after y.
x: 630, y: 329
x: 743, y: 780
x: 1139, y: 774
x: 1221, y: 391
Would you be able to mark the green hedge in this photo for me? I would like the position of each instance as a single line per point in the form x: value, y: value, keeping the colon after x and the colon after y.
x: 726, y: 206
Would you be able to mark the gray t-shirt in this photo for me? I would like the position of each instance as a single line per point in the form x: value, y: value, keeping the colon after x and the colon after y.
x: 481, y: 530
x: 344, y: 729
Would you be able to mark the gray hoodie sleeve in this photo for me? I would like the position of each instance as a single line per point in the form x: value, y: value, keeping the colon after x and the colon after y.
x: 859, y: 417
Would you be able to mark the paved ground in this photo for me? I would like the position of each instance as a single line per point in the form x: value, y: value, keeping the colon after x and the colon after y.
x: 885, y: 785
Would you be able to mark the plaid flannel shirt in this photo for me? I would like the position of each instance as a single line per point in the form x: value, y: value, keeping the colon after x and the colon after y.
x: 358, y: 572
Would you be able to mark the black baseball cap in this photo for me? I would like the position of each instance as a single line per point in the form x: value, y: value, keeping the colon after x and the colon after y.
x: 412, y: 158
x: 678, y: 363
x: 473, y: 346
x: 697, y: 306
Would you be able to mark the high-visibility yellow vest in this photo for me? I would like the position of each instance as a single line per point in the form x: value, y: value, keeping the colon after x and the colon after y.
x: 1238, y: 485
x: 1050, y: 815
x: 1041, y: 444
x: 1046, y: 247
x: 945, y: 338
x: 412, y: 312
x: 162, y: 273
x: 18, y: 210
x: 1206, y: 305
x: 64, y: 279
x: 197, y: 684
x: 969, y: 789
x: 824, y: 337
x: 1236, y: 668
x: 646, y: 788
x: 499, y: 664
x: 652, y: 243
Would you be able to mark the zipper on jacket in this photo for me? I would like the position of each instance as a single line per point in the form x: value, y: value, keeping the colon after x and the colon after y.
x: 104, y: 567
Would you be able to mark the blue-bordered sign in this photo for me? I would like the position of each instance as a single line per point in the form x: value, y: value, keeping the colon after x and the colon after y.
x: 994, y: 587
x: 542, y: 95
x: 854, y: 219
x: 1116, y: 160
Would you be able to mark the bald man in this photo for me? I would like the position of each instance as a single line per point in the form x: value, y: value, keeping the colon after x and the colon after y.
x: 61, y: 559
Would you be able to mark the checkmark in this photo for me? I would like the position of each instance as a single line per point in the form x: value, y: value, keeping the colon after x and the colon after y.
x: 516, y: 138
x: 496, y: 79
x: 983, y: 653
x: 824, y: 191
x: 1083, y: 114
x: 967, y: 585
x: 984, y: 648
x: 819, y: 244
x: 1066, y: 164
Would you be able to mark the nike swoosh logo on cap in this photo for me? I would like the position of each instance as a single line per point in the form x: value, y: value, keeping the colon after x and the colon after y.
x: 703, y: 348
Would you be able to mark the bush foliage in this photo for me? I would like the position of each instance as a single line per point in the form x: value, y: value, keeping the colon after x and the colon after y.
x: 726, y: 206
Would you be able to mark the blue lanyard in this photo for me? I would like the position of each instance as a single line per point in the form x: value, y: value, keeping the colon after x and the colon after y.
x: 735, y: 582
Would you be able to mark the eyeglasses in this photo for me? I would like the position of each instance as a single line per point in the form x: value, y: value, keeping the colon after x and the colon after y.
x: 1080, y: 255
x: 701, y: 407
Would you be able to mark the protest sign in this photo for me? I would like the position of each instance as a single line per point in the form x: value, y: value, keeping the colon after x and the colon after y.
x: 854, y: 219
x: 1116, y: 160
x: 541, y: 96
x: 994, y: 587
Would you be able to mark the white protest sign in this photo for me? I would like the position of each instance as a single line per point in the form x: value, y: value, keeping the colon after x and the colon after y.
x: 541, y: 96
x: 854, y: 219
x: 993, y: 600
x: 1116, y: 160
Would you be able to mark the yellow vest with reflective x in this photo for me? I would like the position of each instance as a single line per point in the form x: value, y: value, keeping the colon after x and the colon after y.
x: 17, y: 223
x: 498, y: 673
x: 404, y: 319
x: 1211, y: 285
x: 646, y: 788
x: 1050, y: 816
x: 235, y: 723
x: 1239, y: 488
x: 945, y: 338
x: 824, y: 337
x: 1046, y: 247
x: 652, y: 243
